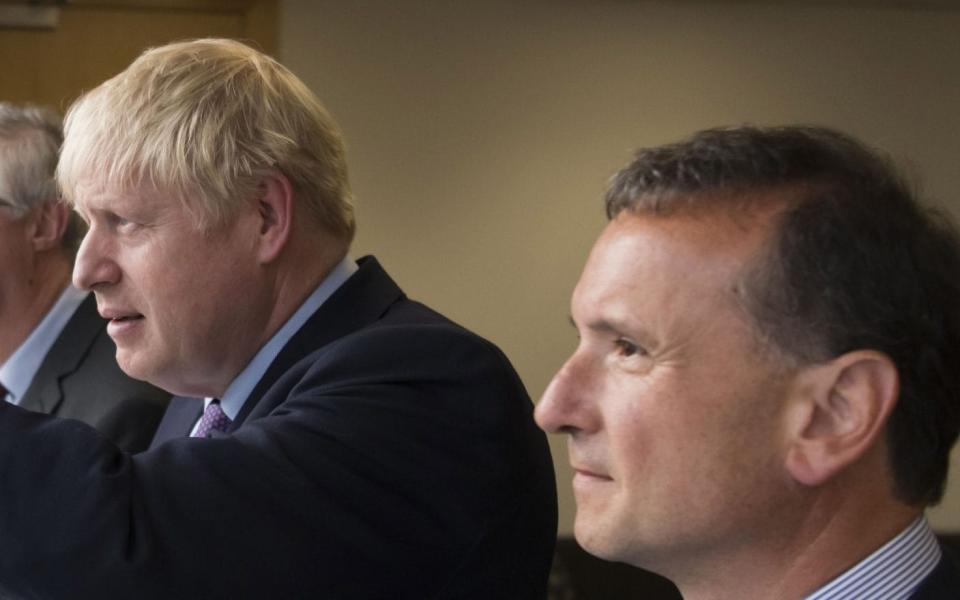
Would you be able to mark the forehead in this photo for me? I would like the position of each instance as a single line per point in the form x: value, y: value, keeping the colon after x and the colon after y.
x: 92, y: 195
x: 666, y: 262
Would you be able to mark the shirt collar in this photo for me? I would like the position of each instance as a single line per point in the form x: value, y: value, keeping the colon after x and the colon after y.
x: 893, y: 572
x: 18, y: 372
x: 242, y: 386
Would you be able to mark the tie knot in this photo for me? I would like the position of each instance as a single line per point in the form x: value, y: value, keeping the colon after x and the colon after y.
x: 214, y: 419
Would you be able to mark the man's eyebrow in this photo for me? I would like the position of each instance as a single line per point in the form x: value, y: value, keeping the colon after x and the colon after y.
x: 601, y: 326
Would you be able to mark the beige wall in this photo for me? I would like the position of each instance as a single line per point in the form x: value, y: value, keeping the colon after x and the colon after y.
x: 481, y: 132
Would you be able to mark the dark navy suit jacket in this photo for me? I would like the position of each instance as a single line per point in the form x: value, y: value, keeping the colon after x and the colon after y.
x: 387, y: 453
x: 943, y: 583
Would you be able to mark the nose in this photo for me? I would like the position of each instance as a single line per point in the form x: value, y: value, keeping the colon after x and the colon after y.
x: 566, y: 405
x: 94, y: 266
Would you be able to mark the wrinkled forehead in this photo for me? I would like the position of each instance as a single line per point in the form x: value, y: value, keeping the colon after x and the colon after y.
x: 94, y: 194
x: 142, y: 202
x: 87, y: 179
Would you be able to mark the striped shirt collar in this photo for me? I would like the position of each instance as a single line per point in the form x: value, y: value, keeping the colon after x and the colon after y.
x: 893, y: 572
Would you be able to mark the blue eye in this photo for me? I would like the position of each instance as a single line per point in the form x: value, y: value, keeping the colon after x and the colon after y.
x: 118, y: 222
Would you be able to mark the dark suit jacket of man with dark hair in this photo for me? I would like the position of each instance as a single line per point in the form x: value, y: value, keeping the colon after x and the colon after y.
x: 943, y: 583
x: 386, y: 453
x: 79, y: 379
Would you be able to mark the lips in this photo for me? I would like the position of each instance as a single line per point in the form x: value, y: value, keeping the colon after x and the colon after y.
x: 591, y: 474
x: 586, y: 469
x: 118, y: 314
x: 587, y: 462
x: 119, y: 322
x: 126, y: 318
x: 124, y: 325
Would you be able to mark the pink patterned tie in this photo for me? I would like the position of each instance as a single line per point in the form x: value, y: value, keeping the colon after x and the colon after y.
x: 213, y: 419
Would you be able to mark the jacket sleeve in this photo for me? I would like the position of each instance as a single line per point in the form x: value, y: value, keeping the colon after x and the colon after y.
x: 393, y: 463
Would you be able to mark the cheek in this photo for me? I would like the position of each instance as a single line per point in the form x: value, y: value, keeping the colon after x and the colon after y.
x: 195, y: 306
x: 171, y: 299
x: 13, y: 261
x: 635, y: 441
x: 730, y: 456
x: 668, y: 445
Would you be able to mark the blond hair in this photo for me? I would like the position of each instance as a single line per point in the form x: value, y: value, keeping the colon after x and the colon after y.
x: 204, y: 121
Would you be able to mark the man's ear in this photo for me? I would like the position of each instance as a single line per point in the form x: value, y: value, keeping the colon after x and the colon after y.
x: 49, y: 224
x: 275, y: 211
x: 840, y: 413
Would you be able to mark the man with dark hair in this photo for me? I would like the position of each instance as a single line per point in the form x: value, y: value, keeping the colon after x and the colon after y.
x: 765, y: 393
x: 55, y: 354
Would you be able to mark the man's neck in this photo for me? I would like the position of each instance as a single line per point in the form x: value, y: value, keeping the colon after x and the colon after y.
x: 297, y: 277
x: 239, y: 390
x: 821, y: 547
x: 22, y: 311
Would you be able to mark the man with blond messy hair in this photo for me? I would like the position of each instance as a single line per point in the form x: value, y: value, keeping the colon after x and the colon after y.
x: 331, y: 438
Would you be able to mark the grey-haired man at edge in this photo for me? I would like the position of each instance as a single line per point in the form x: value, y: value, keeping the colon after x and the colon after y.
x: 55, y: 354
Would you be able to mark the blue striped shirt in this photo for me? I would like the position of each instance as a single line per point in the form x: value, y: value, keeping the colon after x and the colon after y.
x: 891, y: 573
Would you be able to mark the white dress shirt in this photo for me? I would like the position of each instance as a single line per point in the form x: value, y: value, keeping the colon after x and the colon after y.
x: 18, y: 372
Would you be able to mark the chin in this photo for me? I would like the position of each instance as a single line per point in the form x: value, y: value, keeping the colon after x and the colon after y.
x: 610, y: 540
x: 129, y: 365
x: 593, y: 537
x: 136, y: 365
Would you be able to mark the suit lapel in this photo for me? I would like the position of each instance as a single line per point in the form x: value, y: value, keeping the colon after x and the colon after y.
x: 65, y: 356
x: 180, y: 417
x: 361, y: 300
